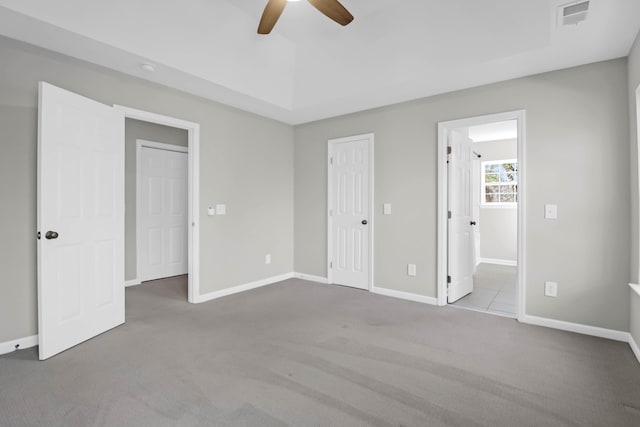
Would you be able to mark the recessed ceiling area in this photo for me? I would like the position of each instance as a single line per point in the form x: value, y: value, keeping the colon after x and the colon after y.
x: 311, y: 68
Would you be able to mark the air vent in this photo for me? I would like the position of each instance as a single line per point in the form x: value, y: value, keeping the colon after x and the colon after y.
x: 573, y: 13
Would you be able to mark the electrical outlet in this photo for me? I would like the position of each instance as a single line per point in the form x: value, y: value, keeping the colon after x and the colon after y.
x: 551, y: 211
x: 550, y: 289
x: 267, y: 259
x: 411, y: 270
x: 386, y: 209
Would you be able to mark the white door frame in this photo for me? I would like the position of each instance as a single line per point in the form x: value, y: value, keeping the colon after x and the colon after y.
x: 140, y: 143
x: 193, y: 145
x: 443, y: 188
x: 331, y: 144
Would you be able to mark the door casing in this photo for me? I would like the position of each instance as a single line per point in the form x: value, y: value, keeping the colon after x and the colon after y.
x: 371, y: 220
x: 444, y: 129
x: 193, y: 146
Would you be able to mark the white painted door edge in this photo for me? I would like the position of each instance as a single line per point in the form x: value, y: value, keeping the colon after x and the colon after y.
x: 331, y: 143
x: 443, y: 130
x: 193, y: 145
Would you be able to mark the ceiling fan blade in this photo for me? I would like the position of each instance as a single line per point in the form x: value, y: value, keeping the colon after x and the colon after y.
x: 270, y: 16
x: 334, y: 10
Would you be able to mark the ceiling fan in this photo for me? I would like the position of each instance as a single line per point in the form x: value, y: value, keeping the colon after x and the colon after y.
x: 331, y: 8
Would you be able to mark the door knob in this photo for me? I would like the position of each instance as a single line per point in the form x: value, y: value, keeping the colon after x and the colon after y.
x: 364, y: 222
x: 51, y: 235
x: 473, y: 223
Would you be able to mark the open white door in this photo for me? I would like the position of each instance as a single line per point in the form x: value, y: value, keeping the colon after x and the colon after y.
x: 349, y: 210
x: 80, y: 219
x: 461, y: 260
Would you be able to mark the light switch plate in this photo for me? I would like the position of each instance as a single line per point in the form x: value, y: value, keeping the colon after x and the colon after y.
x: 211, y: 211
x: 221, y: 209
x: 551, y: 211
x: 550, y: 289
x: 386, y: 209
x: 411, y: 270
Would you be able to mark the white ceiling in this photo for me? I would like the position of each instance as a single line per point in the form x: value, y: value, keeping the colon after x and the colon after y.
x: 311, y: 68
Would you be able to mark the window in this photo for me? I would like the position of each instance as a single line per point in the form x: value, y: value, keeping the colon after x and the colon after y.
x: 500, y: 182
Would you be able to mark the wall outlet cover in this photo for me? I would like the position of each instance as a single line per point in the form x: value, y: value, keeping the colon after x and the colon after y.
x: 386, y: 209
x: 550, y: 289
x: 211, y: 211
x: 267, y: 259
x: 411, y: 270
x: 221, y: 209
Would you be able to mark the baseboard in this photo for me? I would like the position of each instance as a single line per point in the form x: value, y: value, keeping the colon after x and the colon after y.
x: 22, y: 343
x: 595, y: 331
x: 495, y: 261
x: 241, y: 288
x: 405, y: 295
x: 634, y: 347
x: 311, y: 278
x: 133, y: 282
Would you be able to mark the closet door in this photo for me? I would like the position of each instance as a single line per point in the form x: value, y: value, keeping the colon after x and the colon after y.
x: 162, y: 212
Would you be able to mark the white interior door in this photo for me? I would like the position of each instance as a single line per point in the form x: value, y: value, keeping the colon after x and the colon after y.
x: 349, y: 212
x: 80, y: 218
x: 163, y: 215
x: 461, y: 262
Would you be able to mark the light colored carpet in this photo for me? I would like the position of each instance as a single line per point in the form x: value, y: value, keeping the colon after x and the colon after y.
x: 305, y: 354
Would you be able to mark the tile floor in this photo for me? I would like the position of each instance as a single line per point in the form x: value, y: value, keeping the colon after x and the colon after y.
x: 494, y: 290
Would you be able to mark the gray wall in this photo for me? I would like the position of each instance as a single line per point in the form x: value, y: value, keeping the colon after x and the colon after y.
x: 634, y: 82
x: 134, y: 130
x: 246, y: 162
x: 577, y: 125
x: 498, y: 226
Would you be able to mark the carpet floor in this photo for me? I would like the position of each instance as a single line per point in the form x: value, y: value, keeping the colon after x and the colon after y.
x: 305, y: 354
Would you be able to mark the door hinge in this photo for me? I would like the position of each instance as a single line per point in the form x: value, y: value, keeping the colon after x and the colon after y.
x: 330, y: 264
x: 448, y: 279
x: 448, y: 150
x: 449, y: 214
x: 330, y: 212
x: 39, y: 235
x: 331, y: 160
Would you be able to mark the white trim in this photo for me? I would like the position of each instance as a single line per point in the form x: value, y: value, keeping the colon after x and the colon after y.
x: 635, y: 288
x: 443, y: 132
x: 311, y: 278
x: 405, y: 296
x: 370, y: 137
x: 634, y: 347
x: 22, y: 343
x: 161, y: 146
x: 241, y: 288
x: 508, y: 262
x: 578, y: 328
x: 133, y: 282
x: 193, y: 145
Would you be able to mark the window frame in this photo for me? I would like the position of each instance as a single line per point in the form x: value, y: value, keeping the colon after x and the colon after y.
x: 483, y: 185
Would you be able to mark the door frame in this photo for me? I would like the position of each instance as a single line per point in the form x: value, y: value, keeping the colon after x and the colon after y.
x: 140, y: 144
x: 444, y: 128
x: 193, y: 147
x: 331, y: 143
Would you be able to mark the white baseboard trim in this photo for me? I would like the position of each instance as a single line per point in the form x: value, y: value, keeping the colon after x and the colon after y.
x: 133, y: 282
x: 498, y: 261
x: 22, y: 343
x: 595, y: 331
x: 241, y: 288
x: 405, y: 295
x: 311, y: 278
x: 634, y: 347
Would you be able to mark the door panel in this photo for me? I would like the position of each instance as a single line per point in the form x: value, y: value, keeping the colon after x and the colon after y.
x: 350, y: 206
x: 81, y: 197
x: 461, y: 246
x: 163, y: 214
